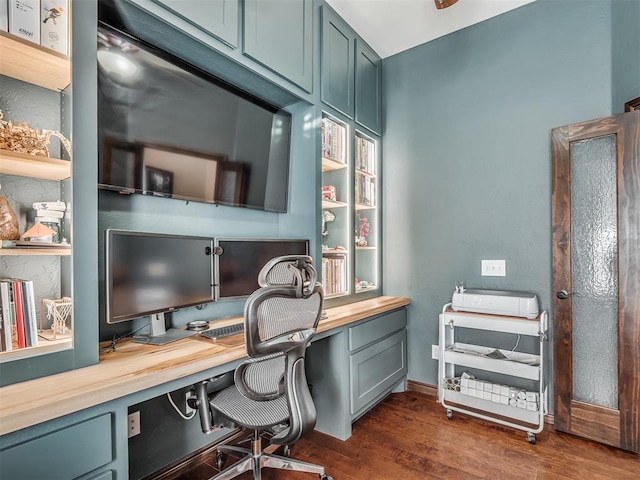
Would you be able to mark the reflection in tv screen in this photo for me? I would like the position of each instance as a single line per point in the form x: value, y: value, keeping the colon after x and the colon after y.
x: 170, y: 130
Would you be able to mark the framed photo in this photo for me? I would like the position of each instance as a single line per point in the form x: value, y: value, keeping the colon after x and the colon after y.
x: 157, y: 181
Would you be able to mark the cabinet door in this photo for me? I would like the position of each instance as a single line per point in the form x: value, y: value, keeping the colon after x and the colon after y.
x: 217, y: 17
x: 376, y: 369
x: 368, y: 88
x: 279, y: 35
x: 337, y: 67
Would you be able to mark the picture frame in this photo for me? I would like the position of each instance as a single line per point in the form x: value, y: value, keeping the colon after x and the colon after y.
x: 158, y: 181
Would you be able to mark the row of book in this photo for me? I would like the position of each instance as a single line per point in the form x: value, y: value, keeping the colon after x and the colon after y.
x: 334, y: 274
x: 365, y: 190
x: 365, y: 156
x: 44, y: 22
x: 18, y: 317
x: 333, y: 140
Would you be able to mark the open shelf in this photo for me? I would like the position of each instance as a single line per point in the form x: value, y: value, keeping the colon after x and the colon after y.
x: 35, y: 251
x: 329, y: 164
x: 32, y: 63
x: 15, y: 163
x: 332, y: 204
x: 44, y: 346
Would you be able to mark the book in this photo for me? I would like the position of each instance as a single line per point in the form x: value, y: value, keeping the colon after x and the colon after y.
x: 31, y: 320
x: 19, y: 313
x: 54, y: 25
x: 56, y: 205
x: 24, y: 19
x: 49, y: 213
x: 5, y: 308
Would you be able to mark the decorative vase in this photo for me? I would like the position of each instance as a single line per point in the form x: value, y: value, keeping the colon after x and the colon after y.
x: 8, y: 221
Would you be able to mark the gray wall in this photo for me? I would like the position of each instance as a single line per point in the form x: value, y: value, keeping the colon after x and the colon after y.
x: 467, y: 150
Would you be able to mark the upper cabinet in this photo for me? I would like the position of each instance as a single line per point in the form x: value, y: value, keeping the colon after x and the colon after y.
x: 368, y: 88
x: 350, y: 73
x: 216, y: 17
x: 279, y: 35
x: 337, y: 67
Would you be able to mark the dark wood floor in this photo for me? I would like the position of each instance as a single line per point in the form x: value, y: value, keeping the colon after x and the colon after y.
x: 408, y: 436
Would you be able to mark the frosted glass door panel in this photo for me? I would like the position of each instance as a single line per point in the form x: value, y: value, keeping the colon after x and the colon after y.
x: 594, y: 260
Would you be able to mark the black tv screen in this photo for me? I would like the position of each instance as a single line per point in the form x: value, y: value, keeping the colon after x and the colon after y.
x: 148, y: 273
x: 168, y: 129
x: 239, y: 261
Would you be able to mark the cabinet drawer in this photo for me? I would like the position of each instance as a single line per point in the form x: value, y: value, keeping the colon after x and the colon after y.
x: 375, y: 329
x: 67, y: 453
x: 377, y: 368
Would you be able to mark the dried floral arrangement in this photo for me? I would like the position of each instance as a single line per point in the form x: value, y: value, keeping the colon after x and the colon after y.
x: 20, y: 137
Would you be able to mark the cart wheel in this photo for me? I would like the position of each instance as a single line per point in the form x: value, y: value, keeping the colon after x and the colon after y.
x: 531, y: 438
x: 449, y: 413
x: 287, y: 451
x: 219, y: 460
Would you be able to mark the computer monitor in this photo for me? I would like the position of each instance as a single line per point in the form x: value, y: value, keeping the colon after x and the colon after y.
x: 150, y: 274
x: 239, y: 260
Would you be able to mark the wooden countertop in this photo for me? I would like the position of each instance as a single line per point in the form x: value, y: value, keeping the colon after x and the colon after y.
x: 134, y: 367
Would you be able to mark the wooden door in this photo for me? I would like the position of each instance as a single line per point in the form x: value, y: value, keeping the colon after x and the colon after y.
x: 596, y: 278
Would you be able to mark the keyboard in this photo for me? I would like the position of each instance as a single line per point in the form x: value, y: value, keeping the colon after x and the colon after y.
x: 222, y: 332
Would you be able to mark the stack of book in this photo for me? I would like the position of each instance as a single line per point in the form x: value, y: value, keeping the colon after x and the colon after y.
x: 365, y: 190
x: 333, y: 140
x: 366, y: 156
x: 334, y: 274
x: 18, y: 318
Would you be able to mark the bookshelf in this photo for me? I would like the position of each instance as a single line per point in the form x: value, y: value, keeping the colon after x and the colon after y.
x: 350, y: 214
x: 336, y: 199
x: 38, y: 271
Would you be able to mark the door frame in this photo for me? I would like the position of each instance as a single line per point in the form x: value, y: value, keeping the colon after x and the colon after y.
x: 619, y: 427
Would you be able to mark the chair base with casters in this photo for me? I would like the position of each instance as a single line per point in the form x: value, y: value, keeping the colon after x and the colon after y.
x: 256, y: 458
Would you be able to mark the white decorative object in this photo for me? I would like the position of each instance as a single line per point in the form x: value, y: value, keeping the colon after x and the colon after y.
x: 56, y: 311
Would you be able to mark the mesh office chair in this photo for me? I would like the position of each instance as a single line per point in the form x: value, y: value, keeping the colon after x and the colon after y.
x: 270, y: 395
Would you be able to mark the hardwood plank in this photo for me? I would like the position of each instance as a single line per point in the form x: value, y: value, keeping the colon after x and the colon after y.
x: 408, y: 436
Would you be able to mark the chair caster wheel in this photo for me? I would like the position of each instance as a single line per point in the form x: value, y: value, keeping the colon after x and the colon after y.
x: 287, y: 451
x: 449, y: 414
x: 219, y: 460
x: 531, y: 438
x: 324, y: 476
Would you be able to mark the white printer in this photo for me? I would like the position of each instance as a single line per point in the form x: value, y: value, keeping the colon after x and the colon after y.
x: 496, y: 302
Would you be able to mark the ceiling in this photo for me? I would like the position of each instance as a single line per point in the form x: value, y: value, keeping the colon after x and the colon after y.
x: 392, y: 26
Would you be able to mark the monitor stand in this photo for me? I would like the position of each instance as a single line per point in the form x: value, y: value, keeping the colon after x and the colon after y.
x: 159, y: 334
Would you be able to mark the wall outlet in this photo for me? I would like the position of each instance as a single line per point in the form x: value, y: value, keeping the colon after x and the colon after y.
x: 133, y: 424
x: 435, y: 351
x: 188, y: 410
x: 494, y: 268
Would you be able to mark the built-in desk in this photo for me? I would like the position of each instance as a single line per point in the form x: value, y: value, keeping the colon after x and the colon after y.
x: 136, y: 372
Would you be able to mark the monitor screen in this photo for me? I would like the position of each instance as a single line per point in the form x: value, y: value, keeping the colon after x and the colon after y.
x: 240, y: 261
x: 149, y: 273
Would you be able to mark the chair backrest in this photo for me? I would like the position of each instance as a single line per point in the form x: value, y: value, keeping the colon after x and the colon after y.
x: 280, y: 319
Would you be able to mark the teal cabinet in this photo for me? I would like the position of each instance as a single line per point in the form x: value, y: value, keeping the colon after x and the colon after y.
x: 337, y: 68
x: 279, y: 35
x: 368, y: 88
x: 378, y: 359
x: 70, y: 452
x: 215, y: 17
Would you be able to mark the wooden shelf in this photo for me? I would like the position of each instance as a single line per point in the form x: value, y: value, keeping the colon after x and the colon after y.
x: 35, y: 251
x: 15, y: 163
x: 366, y: 289
x: 366, y: 174
x: 331, y: 251
x: 32, y: 63
x: 332, y: 204
x: 329, y: 164
x: 361, y: 206
x: 44, y: 346
x: 365, y: 248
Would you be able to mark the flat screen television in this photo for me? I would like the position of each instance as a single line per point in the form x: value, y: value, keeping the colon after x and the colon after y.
x: 150, y: 274
x: 239, y: 260
x: 168, y: 129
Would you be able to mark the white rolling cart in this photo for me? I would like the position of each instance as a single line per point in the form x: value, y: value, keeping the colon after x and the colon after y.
x: 508, y: 405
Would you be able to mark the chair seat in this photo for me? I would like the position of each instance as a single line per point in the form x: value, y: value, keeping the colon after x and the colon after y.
x: 250, y: 413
